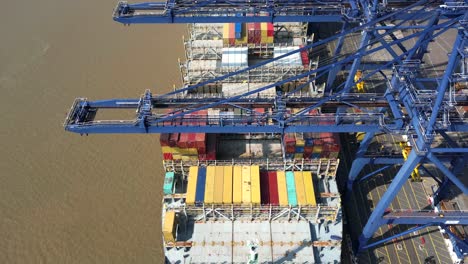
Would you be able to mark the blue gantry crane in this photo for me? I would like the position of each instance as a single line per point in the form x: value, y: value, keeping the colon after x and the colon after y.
x: 414, y: 104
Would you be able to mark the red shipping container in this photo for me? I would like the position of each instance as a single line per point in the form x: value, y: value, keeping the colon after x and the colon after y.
x: 164, y: 140
x: 264, y: 192
x: 273, y: 188
x: 201, y: 117
x: 201, y: 150
x: 211, y: 156
x: 191, y: 143
x: 308, y: 149
x: 270, y: 30
x: 318, y: 142
x: 232, y: 34
x: 183, y: 140
x: 211, y: 143
x: 259, y: 110
x: 289, y: 139
x: 173, y: 139
x: 200, y: 139
x: 290, y: 149
x: 307, y: 155
x: 167, y: 156
x: 324, y: 154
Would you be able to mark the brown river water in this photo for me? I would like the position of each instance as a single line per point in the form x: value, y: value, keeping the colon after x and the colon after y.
x: 66, y: 198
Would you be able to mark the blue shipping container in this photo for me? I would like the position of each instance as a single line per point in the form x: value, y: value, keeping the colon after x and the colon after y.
x: 238, y: 30
x: 201, y: 180
x: 309, y: 142
x: 291, y: 187
x: 299, y: 149
x: 315, y: 155
x: 168, y: 183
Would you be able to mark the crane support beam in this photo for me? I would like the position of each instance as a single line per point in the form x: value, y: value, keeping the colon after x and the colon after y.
x: 407, y: 232
x: 375, y: 220
x: 427, y: 217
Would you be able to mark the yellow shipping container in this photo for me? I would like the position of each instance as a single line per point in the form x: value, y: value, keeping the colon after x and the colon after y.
x: 246, y: 185
x: 242, y: 40
x: 317, y: 149
x: 188, y: 151
x: 300, y: 142
x: 269, y: 39
x: 176, y: 150
x: 264, y: 29
x: 309, y: 188
x: 300, y: 190
x: 227, y: 190
x: 298, y: 156
x: 226, y: 33
x: 169, y: 227
x: 191, y: 185
x: 209, y: 186
x: 282, y: 191
x: 218, y: 185
x: 255, y: 184
x: 166, y: 149
x: 193, y: 157
x: 176, y: 156
x: 237, y: 185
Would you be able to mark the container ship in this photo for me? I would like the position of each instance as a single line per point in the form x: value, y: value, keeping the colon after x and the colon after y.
x: 252, y: 173
x: 235, y: 198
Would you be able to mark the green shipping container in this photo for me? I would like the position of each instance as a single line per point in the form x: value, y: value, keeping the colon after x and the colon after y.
x: 168, y: 182
x: 291, y: 187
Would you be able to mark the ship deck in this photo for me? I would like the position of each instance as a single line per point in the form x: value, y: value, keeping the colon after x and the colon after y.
x: 278, y: 242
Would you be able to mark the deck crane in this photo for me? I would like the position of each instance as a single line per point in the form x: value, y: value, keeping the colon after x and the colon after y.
x: 402, y: 109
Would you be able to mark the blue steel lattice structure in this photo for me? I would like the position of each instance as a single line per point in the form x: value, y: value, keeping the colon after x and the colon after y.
x: 402, y: 109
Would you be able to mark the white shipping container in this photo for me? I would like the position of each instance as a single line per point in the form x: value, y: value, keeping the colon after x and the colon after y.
x: 234, y: 57
x: 293, y: 60
x: 208, y: 43
x: 203, y: 65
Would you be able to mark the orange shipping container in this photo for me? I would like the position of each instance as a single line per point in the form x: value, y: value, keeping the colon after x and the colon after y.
x: 255, y: 183
x: 309, y: 188
x: 218, y: 185
x: 237, y: 185
x: 191, y: 185
x: 300, y: 190
x: 227, y: 182
x: 246, y: 185
x: 209, y: 186
x: 282, y: 191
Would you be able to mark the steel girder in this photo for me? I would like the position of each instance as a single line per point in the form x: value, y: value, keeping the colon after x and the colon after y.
x: 422, y: 140
x: 224, y: 11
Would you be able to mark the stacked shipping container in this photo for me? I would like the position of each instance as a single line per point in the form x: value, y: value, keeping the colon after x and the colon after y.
x: 312, y: 145
x: 248, y: 185
x: 188, y: 146
x: 254, y: 33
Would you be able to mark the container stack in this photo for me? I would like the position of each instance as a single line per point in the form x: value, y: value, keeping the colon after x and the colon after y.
x: 188, y: 146
x: 248, y: 185
x: 234, y: 34
x: 311, y: 145
x: 258, y: 33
